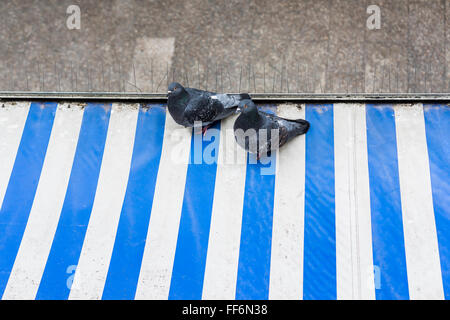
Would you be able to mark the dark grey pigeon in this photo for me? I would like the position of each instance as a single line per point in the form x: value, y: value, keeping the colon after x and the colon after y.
x: 189, y: 105
x: 260, y: 132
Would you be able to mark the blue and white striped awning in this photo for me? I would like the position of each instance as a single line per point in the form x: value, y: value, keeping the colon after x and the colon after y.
x: 100, y: 201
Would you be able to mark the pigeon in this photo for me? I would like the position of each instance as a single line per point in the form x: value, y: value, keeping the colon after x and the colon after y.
x: 260, y: 132
x: 190, y: 107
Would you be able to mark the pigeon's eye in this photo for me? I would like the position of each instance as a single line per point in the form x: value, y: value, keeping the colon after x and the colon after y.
x: 175, y: 88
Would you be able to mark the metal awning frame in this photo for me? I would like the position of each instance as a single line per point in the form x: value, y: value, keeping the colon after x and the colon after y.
x: 260, y: 97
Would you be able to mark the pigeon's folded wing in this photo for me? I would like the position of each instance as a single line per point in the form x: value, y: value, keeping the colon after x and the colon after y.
x: 201, y: 108
x: 195, y: 92
x: 230, y: 100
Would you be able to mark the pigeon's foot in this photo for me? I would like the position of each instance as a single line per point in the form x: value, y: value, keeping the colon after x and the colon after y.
x: 205, y: 128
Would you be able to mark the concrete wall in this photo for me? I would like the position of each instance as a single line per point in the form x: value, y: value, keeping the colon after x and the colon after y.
x: 256, y: 46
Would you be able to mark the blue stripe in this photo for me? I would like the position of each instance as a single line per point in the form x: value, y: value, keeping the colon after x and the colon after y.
x: 126, y: 259
x: 385, y: 204
x: 76, y: 211
x: 256, y: 230
x: 437, y: 124
x: 22, y: 184
x: 192, y: 244
x: 256, y: 233
x: 319, y: 271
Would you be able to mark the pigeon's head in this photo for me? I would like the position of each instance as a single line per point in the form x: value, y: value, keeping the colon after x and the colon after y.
x: 247, y: 106
x: 174, y: 89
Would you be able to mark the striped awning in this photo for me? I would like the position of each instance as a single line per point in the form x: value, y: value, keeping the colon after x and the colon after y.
x: 116, y: 201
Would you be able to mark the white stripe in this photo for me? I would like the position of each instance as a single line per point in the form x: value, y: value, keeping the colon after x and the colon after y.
x: 44, y: 215
x: 421, y: 247
x: 98, y: 244
x: 354, y: 260
x: 286, y: 266
x: 159, y: 252
x: 224, y: 238
x: 12, y: 121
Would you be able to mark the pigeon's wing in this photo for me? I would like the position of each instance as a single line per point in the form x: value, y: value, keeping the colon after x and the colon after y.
x: 293, y: 127
x: 269, y: 116
x: 212, y: 106
x: 230, y: 100
x: 195, y: 92
x: 202, y: 108
x: 279, y: 137
x: 283, y: 136
x: 227, y: 100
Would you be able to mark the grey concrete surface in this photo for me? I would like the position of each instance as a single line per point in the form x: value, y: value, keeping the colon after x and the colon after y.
x: 255, y: 46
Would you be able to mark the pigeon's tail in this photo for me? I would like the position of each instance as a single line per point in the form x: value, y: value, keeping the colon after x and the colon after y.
x: 235, y: 99
x: 241, y: 96
x: 230, y: 100
x: 301, y: 126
